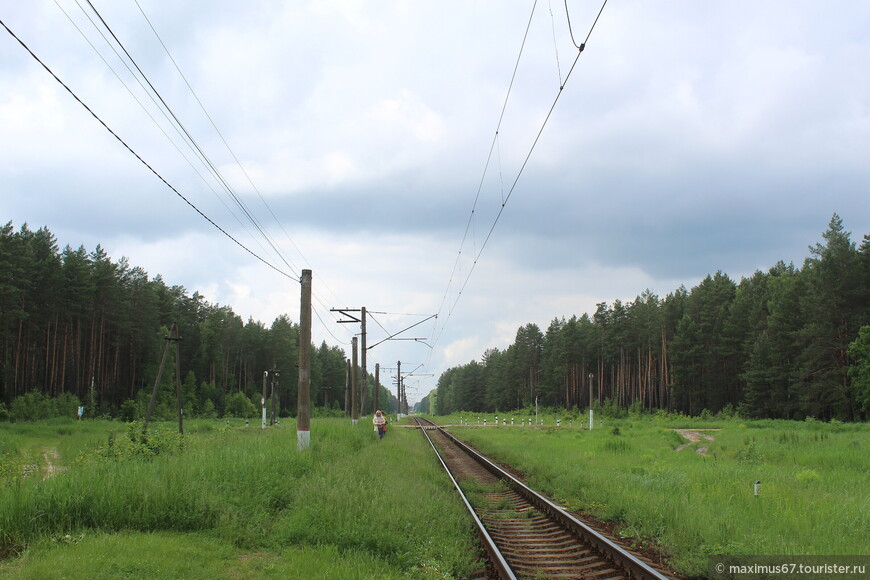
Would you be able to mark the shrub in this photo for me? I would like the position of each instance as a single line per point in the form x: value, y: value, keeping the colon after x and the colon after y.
x: 238, y: 405
x: 136, y: 443
x: 32, y: 406
x: 208, y: 410
x: 128, y: 411
x: 749, y: 452
x: 67, y: 405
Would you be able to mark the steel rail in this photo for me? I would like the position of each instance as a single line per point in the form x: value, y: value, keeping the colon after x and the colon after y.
x: 633, y: 566
x: 495, y: 555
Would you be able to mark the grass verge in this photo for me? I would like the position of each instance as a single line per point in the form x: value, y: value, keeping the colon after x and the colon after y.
x: 245, y: 500
x: 814, y: 497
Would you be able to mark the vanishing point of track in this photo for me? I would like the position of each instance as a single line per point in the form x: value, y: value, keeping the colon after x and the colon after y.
x: 525, y: 534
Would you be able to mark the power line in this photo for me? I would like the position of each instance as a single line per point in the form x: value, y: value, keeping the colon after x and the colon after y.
x: 141, y: 160
x: 218, y: 131
x: 220, y: 134
x: 198, y: 150
x: 142, y: 105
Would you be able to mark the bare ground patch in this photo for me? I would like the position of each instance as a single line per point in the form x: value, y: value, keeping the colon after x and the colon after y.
x: 694, y: 436
x: 50, y: 468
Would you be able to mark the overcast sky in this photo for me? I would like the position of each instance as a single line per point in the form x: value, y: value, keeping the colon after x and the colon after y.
x: 690, y: 137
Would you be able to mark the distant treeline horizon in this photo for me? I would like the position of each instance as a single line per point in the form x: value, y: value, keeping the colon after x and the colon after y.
x: 788, y: 343
x: 77, y: 327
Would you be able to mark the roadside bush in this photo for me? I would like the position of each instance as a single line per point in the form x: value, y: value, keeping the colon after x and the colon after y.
x: 67, y: 405
x: 239, y: 405
x: 129, y: 411
x: 35, y: 406
x: 32, y: 406
x: 135, y: 443
x: 208, y: 410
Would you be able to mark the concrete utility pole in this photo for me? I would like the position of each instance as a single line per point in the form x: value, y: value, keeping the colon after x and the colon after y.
x: 377, y: 386
x: 399, y: 389
x: 347, y: 387
x: 274, y: 414
x: 354, y: 407
x: 362, y: 322
x: 365, y: 371
x: 303, y: 401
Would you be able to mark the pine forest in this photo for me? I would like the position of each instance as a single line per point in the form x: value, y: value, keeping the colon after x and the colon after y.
x: 793, y: 342
x: 788, y: 343
x: 77, y: 328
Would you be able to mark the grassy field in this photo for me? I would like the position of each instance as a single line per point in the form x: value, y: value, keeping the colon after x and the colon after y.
x: 234, y: 502
x: 814, y: 495
x: 226, y: 502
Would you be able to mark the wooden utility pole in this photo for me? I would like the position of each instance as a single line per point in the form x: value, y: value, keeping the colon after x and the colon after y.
x: 377, y: 386
x: 173, y: 336
x: 354, y: 406
x: 177, y: 340
x: 303, y: 410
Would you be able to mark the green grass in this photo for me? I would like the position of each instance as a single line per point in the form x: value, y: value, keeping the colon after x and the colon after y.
x: 814, y: 494
x: 31, y: 444
x: 236, y: 502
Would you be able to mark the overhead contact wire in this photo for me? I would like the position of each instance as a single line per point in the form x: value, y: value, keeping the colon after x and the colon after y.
x: 580, y: 49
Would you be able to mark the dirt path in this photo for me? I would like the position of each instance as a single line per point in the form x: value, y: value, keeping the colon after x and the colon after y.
x: 50, y: 469
x: 694, y: 436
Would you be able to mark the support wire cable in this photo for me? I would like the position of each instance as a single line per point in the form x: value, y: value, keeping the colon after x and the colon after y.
x: 137, y: 156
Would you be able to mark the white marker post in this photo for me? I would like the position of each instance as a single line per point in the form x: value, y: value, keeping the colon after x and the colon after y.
x: 590, y: 401
x: 263, y: 398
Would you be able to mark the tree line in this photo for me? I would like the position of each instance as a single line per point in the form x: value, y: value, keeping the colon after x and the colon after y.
x: 76, y: 326
x: 786, y: 343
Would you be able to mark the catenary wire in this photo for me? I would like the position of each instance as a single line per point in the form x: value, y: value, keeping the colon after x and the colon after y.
x: 492, y: 147
x: 580, y: 50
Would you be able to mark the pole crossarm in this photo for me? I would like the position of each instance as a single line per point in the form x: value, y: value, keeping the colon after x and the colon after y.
x: 404, y: 330
x: 346, y: 312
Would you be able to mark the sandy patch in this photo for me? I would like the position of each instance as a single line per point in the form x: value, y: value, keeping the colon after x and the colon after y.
x: 694, y: 436
x: 50, y: 469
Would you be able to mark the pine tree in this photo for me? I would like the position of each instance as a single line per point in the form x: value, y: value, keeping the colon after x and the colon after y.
x: 831, y: 313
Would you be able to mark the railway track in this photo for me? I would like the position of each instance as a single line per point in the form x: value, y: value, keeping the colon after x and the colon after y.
x: 525, y: 534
